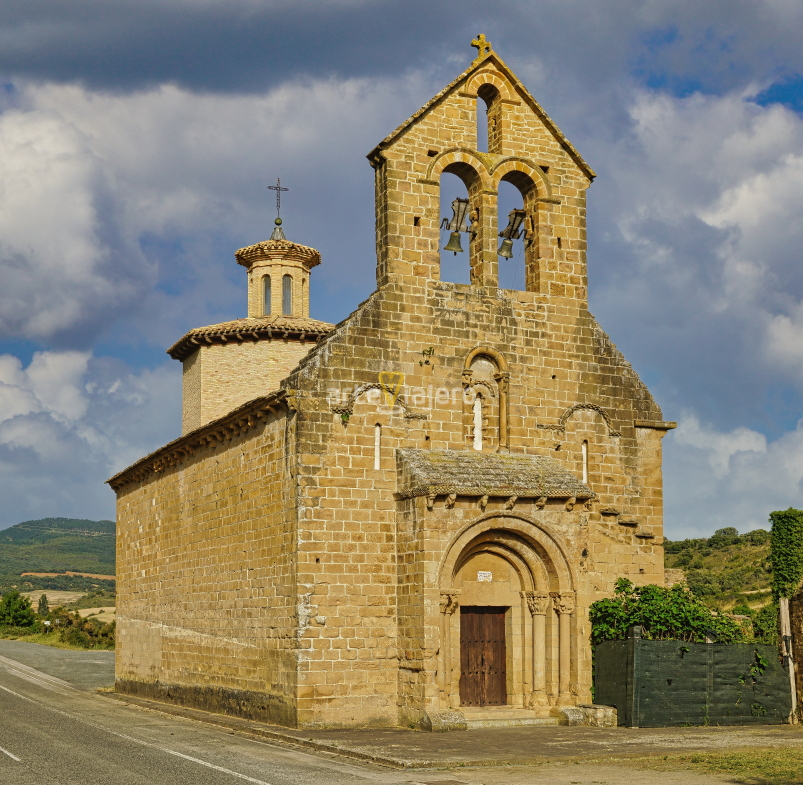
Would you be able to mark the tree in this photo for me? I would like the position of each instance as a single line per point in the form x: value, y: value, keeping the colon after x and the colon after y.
x: 44, y: 606
x: 16, y: 610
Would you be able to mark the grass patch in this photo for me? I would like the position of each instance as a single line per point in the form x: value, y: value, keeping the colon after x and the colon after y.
x: 778, y: 766
x: 50, y: 639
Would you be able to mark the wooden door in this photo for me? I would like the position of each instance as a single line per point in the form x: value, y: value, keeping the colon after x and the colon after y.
x: 483, y: 673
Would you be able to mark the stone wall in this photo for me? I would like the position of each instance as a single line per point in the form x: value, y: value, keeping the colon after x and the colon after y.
x: 206, y: 596
x: 558, y: 359
x: 220, y: 377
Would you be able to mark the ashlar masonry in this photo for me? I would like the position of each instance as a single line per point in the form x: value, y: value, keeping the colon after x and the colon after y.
x: 401, y: 519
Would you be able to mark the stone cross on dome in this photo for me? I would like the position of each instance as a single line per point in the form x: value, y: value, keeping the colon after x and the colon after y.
x: 483, y: 46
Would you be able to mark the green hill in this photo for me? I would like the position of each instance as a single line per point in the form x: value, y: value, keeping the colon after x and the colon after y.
x: 57, y: 545
x: 727, y: 570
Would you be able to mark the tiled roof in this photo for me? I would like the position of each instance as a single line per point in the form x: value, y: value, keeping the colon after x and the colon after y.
x: 263, y: 328
x: 470, y: 473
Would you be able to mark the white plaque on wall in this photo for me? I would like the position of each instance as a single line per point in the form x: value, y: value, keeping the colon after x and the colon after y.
x: 482, y: 575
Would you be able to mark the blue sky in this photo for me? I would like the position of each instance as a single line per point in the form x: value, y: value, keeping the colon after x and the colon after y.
x: 137, y: 140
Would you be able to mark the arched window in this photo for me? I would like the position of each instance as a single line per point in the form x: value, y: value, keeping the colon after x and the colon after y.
x: 488, y: 120
x: 482, y: 126
x: 377, y: 446
x: 585, y: 461
x: 478, y: 423
x: 287, y: 295
x: 266, y: 295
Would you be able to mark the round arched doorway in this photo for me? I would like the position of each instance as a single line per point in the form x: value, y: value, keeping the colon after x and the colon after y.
x: 506, y: 601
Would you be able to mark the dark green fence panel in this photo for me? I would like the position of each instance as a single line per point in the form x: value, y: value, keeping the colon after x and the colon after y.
x: 656, y: 684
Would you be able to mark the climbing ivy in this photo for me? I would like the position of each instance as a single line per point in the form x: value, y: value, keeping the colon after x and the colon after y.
x: 786, y: 551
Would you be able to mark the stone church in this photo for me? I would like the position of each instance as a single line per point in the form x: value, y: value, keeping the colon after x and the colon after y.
x: 401, y: 519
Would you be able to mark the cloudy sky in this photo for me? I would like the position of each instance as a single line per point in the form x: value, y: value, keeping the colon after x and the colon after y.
x: 137, y: 138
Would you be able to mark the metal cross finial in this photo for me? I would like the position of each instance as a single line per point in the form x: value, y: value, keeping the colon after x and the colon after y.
x: 483, y: 46
x: 278, y: 188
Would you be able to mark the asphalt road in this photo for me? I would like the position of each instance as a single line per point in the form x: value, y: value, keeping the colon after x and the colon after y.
x: 54, y: 729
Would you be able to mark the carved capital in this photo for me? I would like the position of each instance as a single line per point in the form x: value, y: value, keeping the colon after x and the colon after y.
x: 466, y: 377
x: 563, y: 602
x: 537, y: 602
x: 502, y: 379
x: 448, y: 601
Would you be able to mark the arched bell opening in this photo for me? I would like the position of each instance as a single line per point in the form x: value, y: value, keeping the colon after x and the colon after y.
x: 505, y: 636
x: 518, y: 232
x: 460, y: 186
x: 511, y: 250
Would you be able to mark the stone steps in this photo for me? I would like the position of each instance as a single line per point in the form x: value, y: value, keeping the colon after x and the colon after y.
x: 506, y: 717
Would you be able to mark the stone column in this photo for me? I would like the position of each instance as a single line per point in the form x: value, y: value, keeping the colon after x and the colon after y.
x: 502, y: 381
x: 563, y: 603
x: 538, y: 603
x: 448, y: 605
x: 483, y: 258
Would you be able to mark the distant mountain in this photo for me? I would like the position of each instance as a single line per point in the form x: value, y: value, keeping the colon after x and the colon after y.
x: 57, y: 545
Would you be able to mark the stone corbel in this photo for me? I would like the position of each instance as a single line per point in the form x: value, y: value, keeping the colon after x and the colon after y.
x: 450, y: 500
x: 540, y: 502
x: 569, y: 506
x: 483, y: 502
x: 430, y: 501
x: 511, y: 502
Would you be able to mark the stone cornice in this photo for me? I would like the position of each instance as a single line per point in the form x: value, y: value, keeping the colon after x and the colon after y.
x: 264, y: 328
x: 277, y: 250
x: 240, y: 421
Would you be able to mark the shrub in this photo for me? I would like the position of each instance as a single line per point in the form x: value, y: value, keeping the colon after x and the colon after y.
x: 663, y: 614
x: 16, y: 610
x: 765, y: 624
x: 87, y: 633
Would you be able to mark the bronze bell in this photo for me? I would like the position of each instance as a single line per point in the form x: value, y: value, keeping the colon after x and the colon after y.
x: 506, y: 249
x: 454, y: 244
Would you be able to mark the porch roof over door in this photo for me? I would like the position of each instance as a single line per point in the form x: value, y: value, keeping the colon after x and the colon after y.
x: 471, y: 473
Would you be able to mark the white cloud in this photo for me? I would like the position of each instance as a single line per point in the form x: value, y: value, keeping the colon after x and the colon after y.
x: 718, y: 447
x: 728, y: 478
x: 67, y: 422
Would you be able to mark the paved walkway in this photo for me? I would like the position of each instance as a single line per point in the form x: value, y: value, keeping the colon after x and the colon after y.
x: 401, y: 748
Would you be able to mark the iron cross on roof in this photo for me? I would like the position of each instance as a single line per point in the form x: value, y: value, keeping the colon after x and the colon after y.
x: 278, y: 188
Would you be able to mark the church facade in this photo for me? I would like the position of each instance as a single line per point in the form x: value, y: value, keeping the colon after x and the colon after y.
x: 401, y: 519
